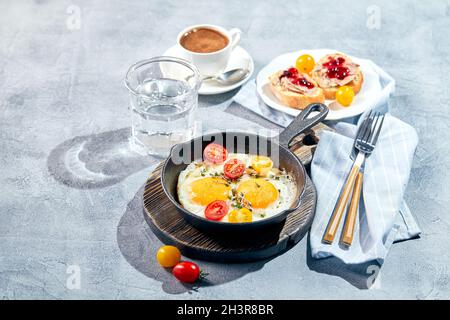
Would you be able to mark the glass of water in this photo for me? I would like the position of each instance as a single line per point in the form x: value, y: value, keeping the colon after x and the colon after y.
x: 164, y: 96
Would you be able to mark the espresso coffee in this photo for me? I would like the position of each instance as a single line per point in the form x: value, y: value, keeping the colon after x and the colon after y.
x: 203, y: 40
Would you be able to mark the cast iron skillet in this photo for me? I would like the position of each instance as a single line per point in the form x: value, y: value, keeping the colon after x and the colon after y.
x: 239, y: 142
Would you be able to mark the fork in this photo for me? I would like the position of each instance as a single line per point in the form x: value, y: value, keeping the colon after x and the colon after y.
x: 350, y: 219
x: 365, y: 142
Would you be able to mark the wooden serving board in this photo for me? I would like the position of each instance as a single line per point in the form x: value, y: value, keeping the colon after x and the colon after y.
x: 171, y: 228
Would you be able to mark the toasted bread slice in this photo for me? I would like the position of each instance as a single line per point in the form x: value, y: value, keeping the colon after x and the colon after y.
x: 354, y: 79
x: 295, y: 95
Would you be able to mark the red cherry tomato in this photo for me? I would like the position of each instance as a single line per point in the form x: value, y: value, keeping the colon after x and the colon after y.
x: 186, y: 272
x: 216, y: 210
x: 215, y: 153
x: 234, y: 168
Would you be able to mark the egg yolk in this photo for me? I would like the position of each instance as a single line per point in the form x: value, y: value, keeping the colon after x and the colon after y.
x: 259, y: 192
x: 206, y: 190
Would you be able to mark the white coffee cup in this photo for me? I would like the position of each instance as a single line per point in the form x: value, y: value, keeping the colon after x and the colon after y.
x: 211, y: 63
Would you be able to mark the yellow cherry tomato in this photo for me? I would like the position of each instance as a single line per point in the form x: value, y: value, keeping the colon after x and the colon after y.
x: 262, y: 165
x: 305, y: 63
x: 168, y: 256
x: 345, y: 95
x: 241, y: 215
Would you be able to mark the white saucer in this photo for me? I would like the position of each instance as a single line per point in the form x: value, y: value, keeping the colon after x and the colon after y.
x: 365, y: 99
x: 240, y: 58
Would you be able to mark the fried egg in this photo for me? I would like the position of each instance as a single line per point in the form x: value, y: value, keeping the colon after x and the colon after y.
x: 264, y: 195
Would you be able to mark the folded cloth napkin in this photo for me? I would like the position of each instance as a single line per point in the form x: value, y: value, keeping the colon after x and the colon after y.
x: 383, y: 215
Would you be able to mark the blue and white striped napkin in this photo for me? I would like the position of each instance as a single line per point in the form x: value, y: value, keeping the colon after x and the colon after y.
x: 384, y: 217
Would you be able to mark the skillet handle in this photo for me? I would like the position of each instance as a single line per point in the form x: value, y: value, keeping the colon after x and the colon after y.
x: 302, y: 123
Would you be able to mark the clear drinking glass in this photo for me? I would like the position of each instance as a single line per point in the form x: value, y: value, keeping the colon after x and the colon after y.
x: 164, y: 96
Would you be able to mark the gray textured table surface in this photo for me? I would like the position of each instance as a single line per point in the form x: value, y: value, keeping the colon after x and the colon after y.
x: 70, y: 190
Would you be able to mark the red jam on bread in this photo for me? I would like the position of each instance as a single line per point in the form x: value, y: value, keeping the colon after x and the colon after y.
x: 296, y: 78
x: 295, y: 89
x: 334, y: 71
x: 335, y: 68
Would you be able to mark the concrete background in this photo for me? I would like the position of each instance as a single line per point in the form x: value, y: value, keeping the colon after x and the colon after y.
x: 70, y: 189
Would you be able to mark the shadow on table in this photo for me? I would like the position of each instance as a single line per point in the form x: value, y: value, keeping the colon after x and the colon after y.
x: 362, y: 276
x: 139, y: 245
x: 217, y: 99
x: 97, y: 160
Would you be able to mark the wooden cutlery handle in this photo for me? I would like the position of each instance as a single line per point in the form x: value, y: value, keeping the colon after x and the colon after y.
x: 350, y: 220
x: 333, y: 225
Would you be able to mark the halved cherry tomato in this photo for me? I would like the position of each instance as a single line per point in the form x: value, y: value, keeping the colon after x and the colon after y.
x: 216, y: 210
x: 241, y: 215
x: 215, y: 153
x: 262, y: 165
x: 186, y: 272
x: 234, y: 168
x: 168, y: 256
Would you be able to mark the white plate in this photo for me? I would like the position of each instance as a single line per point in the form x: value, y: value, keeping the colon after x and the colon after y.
x: 368, y: 94
x: 240, y: 58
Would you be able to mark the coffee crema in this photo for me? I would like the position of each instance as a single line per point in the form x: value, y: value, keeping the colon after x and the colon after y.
x: 203, y: 40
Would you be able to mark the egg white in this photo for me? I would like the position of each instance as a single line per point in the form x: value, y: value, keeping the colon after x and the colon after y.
x: 284, y: 183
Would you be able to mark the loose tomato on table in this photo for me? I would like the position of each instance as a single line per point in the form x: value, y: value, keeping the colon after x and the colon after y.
x: 216, y: 210
x: 186, y: 272
x: 215, y: 153
x: 168, y: 256
x: 234, y: 168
